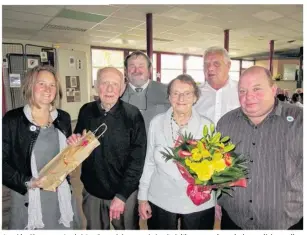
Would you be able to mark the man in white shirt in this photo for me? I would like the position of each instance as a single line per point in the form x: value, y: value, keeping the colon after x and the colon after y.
x: 219, y: 93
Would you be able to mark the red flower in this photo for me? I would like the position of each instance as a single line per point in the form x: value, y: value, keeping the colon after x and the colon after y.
x: 192, y: 142
x: 183, y: 154
x: 84, y: 143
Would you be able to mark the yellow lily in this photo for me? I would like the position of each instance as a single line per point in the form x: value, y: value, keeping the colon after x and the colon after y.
x: 199, y: 152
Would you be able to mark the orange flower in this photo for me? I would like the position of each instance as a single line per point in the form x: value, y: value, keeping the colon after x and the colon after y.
x: 228, y: 159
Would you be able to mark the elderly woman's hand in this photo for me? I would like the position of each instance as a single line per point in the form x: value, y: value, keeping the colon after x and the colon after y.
x: 144, y: 210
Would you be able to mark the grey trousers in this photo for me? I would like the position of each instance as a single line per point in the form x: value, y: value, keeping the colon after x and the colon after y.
x: 96, y: 211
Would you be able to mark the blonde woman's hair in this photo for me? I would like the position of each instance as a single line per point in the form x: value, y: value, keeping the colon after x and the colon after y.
x: 30, y: 81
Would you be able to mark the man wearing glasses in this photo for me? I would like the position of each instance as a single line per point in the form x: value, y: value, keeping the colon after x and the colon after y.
x: 148, y: 96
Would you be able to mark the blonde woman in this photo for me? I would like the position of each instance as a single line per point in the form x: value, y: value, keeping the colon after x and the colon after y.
x: 32, y: 136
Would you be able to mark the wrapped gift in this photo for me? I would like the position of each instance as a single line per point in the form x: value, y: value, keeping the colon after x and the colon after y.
x: 69, y: 159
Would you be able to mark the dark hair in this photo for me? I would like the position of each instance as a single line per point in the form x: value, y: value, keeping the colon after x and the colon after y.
x: 137, y: 54
x: 302, y: 97
x: 295, y: 98
x: 185, y: 78
x: 281, y: 97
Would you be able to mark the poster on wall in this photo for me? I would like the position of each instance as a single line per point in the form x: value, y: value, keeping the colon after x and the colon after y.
x: 32, y: 63
x: 15, y: 80
x: 73, y: 93
x: 79, y: 64
x: 44, y: 57
x: 72, y: 61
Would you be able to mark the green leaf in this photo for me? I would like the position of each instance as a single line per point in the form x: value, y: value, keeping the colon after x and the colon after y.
x: 225, y: 139
x: 229, y: 147
x: 216, y: 137
x: 212, y: 128
x: 205, y: 131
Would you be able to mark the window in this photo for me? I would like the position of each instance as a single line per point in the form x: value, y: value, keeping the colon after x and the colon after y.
x: 246, y: 64
x: 195, y: 68
x: 171, y: 67
x: 102, y: 58
x: 234, y: 72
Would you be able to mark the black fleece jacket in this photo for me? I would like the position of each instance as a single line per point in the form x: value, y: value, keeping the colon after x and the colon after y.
x: 115, y: 167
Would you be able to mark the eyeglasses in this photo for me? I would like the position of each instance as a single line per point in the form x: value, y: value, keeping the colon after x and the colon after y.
x: 186, y: 95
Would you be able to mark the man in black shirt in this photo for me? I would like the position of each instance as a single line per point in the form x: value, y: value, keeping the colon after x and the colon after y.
x: 112, y: 172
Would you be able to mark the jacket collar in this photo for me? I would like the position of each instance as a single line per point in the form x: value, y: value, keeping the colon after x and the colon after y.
x: 114, y: 111
x: 27, y: 111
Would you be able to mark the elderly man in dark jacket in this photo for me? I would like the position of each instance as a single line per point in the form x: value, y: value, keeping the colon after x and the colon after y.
x: 112, y: 172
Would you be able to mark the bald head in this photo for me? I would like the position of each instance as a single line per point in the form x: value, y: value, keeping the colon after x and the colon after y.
x: 110, y: 86
x: 260, y: 71
x: 111, y: 70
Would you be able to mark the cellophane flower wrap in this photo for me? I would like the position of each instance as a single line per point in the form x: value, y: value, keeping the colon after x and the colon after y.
x: 207, y: 164
x: 69, y: 159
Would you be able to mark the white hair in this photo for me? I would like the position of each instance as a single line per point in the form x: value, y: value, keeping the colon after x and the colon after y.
x: 219, y: 50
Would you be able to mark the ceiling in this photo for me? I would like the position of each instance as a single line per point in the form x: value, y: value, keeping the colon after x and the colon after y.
x: 176, y: 28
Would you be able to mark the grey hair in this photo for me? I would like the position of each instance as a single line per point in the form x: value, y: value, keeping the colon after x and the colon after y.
x: 219, y: 50
x: 185, y: 78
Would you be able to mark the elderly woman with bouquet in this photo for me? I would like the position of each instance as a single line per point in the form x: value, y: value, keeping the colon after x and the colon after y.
x: 32, y: 136
x: 162, y: 190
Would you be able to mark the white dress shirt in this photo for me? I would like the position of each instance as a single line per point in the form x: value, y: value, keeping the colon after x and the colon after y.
x: 161, y: 182
x: 213, y: 104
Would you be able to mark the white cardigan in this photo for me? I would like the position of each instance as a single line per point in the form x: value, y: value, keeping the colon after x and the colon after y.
x: 161, y: 182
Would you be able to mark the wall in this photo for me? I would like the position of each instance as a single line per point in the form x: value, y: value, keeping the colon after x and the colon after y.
x: 265, y: 63
x: 87, y: 90
x: 278, y: 67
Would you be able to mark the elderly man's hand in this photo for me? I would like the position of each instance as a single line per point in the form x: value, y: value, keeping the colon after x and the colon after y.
x: 75, y: 138
x: 117, y: 208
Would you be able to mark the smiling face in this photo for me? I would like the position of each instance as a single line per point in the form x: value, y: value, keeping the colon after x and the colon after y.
x: 256, y: 94
x: 216, y: 69
x: 44, y: 90
x: 110, y: 86
x: 137, y: 70
x: 182, y: 97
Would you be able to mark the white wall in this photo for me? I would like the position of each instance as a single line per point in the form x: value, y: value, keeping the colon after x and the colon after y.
x: 87, y: 90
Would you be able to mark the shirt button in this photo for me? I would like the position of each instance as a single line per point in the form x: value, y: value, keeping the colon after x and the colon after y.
x: 26, y: 204
x: 251, y: 160
x: 250, y: 201
x: 251, y: 218
x: 254, y: 143
x: 105, y: 114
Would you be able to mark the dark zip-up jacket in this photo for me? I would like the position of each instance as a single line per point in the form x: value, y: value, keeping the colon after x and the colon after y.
x: 115, y: 167
x: 18, y: 139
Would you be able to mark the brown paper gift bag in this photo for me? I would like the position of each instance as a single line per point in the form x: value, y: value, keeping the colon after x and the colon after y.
x: 69, y: 159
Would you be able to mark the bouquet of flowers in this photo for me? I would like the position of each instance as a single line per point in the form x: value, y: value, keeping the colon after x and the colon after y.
x: 208, y: 164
